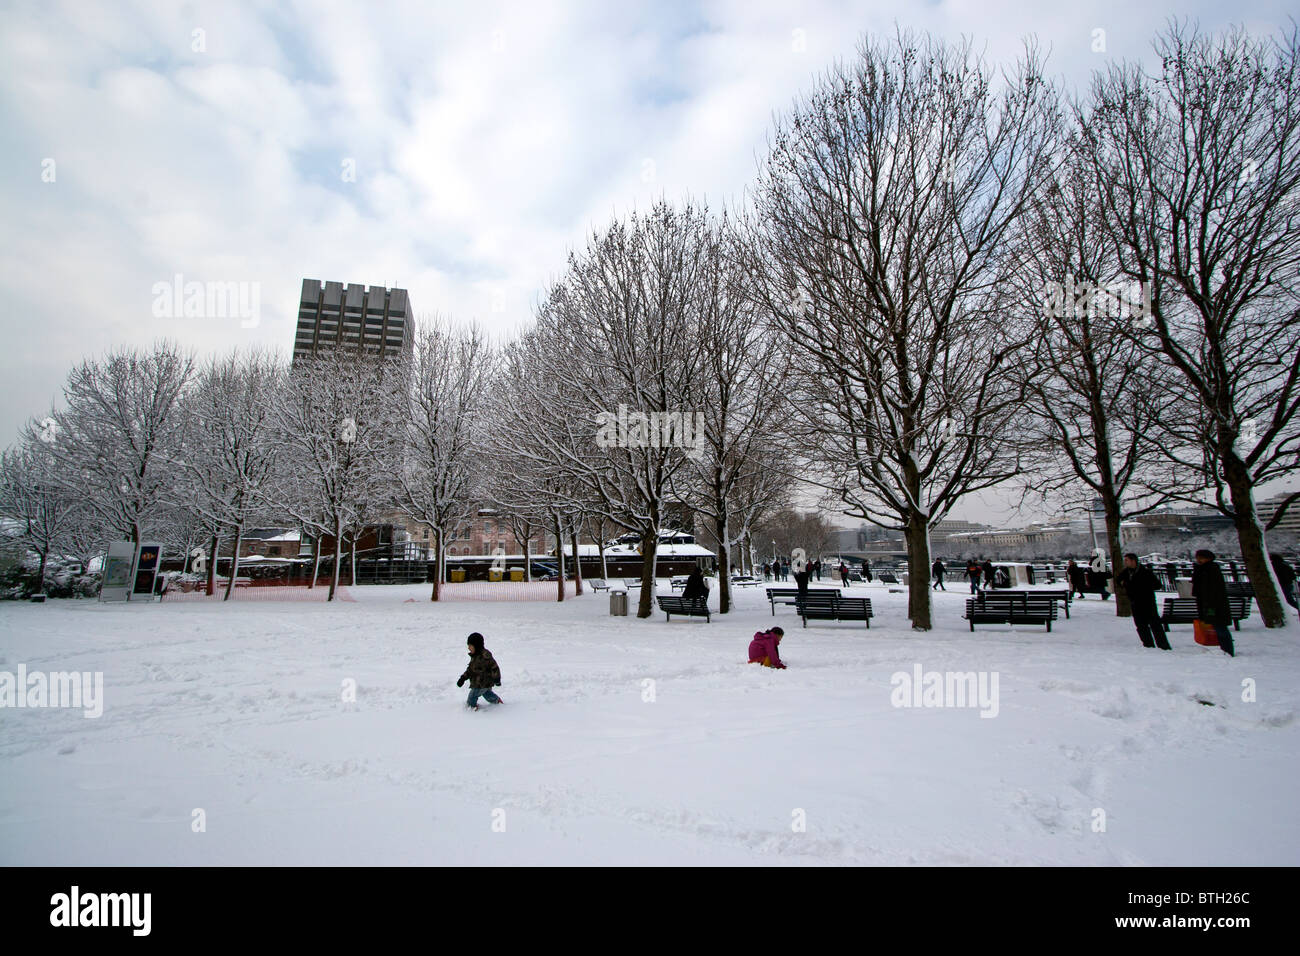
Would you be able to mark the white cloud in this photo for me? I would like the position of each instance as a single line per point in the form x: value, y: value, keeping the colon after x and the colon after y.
x: 487, y: 140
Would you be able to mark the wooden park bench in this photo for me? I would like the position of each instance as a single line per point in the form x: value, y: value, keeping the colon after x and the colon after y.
x: 745, y: 581
x: 1055, y: 594
x: 1003, y: 608
x: 825, y: 605
x: 1183, y: 610
x: 887, y: 577
x: 1240, y: 589
x: 598, y: 584
x: 777, y: 596
x: 688, y: 607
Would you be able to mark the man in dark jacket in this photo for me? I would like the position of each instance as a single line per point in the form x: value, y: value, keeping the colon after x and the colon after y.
x: 482, y: 673
x: 1286, y: 578
x: 973, y: 572
x: 937, y: 569
x: 1211, y: 595
x: 1140, y: 584
x: 989, y: 574
x: 695, y: 586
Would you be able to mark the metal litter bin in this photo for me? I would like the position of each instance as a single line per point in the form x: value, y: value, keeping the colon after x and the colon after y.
x: 618, y: 603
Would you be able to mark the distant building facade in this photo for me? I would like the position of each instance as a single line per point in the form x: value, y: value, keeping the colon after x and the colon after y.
x: 331, y: 315
x: 1290, y: 523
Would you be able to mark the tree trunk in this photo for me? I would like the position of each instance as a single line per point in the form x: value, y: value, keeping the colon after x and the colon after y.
x: 1251, y: 537
x: 604, y: 568
x: 234, y: 562
x: 437, y: 565
x: 1123, y: 607
x: 40, y: 572
x: 528, y: 558
x: 649, y: 546
x: 724, y: 568
x: 212, y: 564
x: 338, y: 558
x: 559, y: 553
x: 352, y: 565
x: 577, y: 562
x: 315, y: 561
x: 918, y: 571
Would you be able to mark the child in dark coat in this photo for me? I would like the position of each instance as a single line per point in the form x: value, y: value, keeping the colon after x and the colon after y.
x: 482, y: 673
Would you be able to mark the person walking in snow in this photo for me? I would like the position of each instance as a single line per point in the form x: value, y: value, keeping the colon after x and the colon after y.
x: 973, y: 572
x: 844, y: 574
x: 1286, y: 578
x: 938, y: 571
x: 1140, y: 584
x: 482, y: 673
x: 1211, y: 593
x: 1097, y: 573
x: 1075, y: 574
x: 990, y: 575
x: 763, y: 648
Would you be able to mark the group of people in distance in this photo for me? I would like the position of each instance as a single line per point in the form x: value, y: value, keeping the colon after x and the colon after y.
x: 1137, y: 581
x: 977, y: 571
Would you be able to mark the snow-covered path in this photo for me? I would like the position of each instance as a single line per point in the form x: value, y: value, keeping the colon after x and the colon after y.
x: 237, y: 710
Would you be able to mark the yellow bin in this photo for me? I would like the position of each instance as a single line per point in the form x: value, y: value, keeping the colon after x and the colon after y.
x: 494, y: 574
x: 516, y: 574
x: 458, y: 577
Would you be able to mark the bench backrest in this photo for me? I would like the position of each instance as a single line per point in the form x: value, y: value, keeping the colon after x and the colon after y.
x: 819, y: 597
x: 1238, y: 606
x: 1030, y: 606
x: 834, y: 601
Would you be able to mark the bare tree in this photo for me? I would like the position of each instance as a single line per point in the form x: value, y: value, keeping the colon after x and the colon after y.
x: 116, y: 431
x: 883, y: 213
x: 1094, y: 394
x: 1199, y: 175
x: 338, y: 423
x: 738, y: 394
x: 226, y: 453
x: 443, y: 474
x: 45, y: 515
x: 598, y: 404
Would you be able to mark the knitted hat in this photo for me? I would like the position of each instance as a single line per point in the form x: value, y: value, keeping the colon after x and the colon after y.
x: 475, y: 639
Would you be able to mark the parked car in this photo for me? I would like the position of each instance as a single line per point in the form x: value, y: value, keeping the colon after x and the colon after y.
x: 542, y: 571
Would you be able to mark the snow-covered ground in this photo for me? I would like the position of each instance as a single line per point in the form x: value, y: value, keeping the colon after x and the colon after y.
x: 625, y: 741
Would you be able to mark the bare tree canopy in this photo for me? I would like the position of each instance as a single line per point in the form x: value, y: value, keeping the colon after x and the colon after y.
x: 884, y: 216
x: 1199, y: 175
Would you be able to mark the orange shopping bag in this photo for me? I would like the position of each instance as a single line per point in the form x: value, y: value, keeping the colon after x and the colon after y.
x: 1205, y: 634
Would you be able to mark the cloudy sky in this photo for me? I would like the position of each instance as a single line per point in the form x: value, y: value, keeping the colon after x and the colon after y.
x: 456, y: 150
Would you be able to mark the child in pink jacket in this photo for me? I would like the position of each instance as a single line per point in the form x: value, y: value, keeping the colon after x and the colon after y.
x: 762, y: 649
